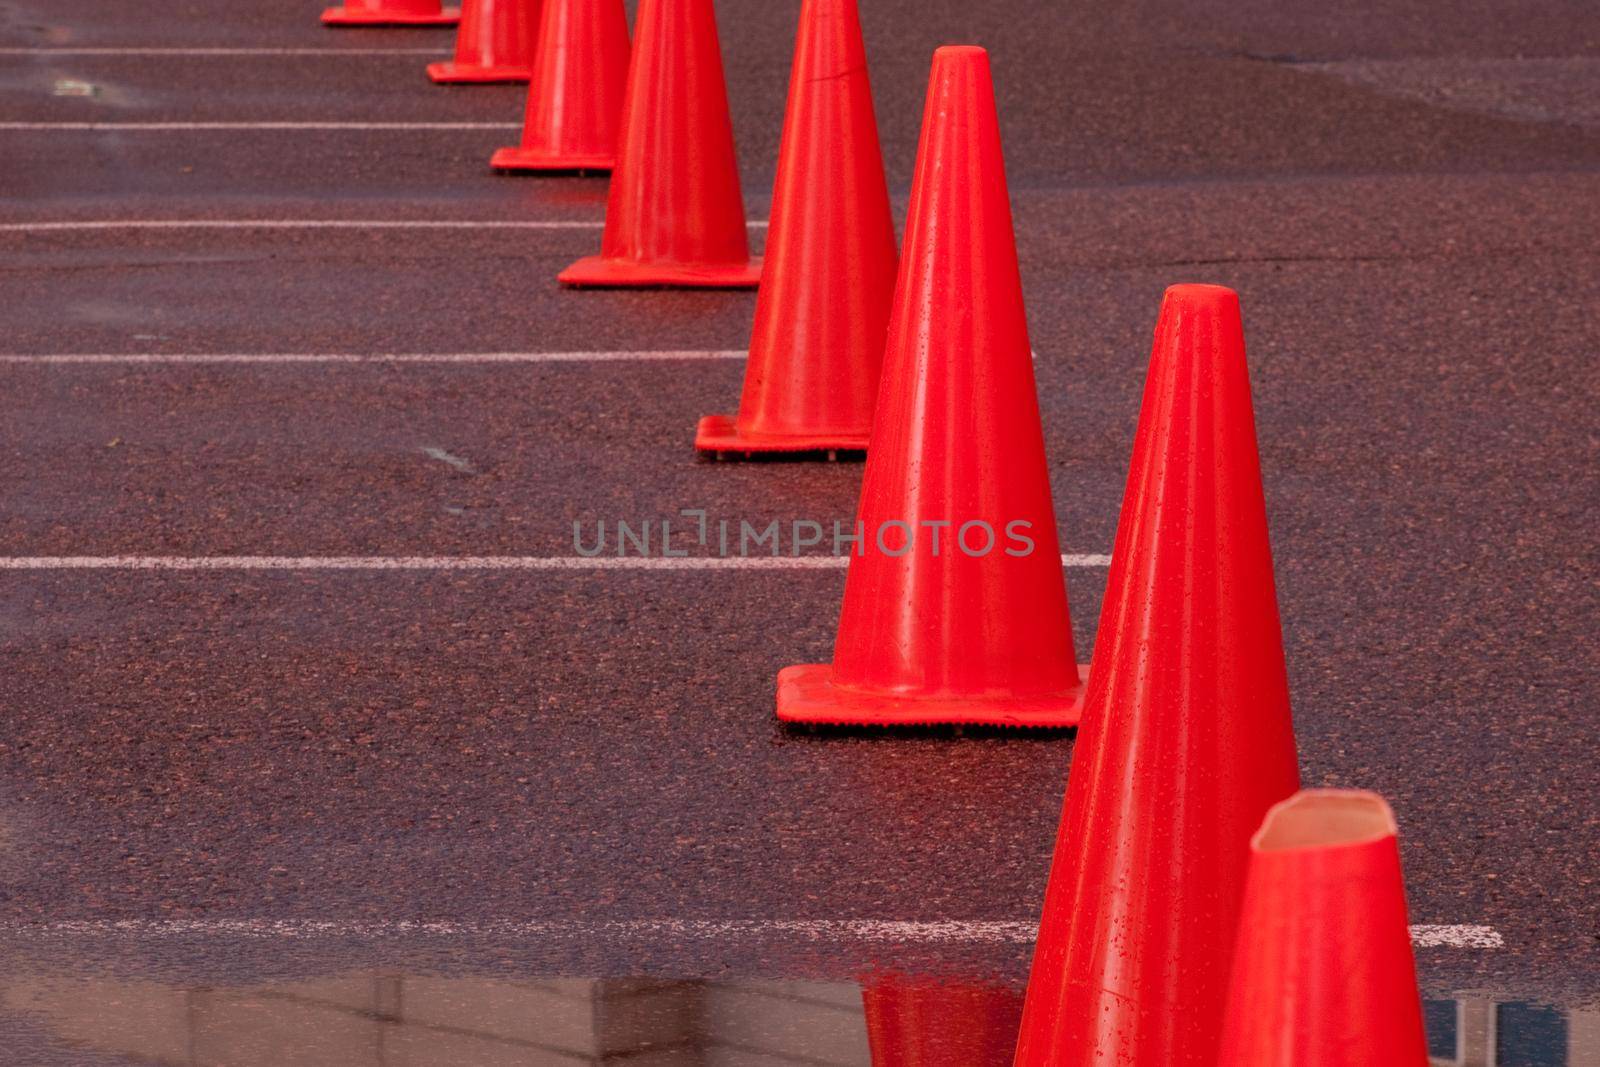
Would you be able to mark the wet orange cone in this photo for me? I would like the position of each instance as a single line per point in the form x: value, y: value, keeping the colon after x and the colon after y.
x: 1323, y: 975
x: 675, y: 217
x: 932, y: 1022
x: 574, y: 109
x: 955, y: 608
x: 811, y: 382
x: 1186, y: 738
x: 494, y: 43
x: 391, y: 13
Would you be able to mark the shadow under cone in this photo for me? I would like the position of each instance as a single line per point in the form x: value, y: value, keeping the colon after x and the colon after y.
x: 973, y: 627
x: 1186, y: 739
x: 391, y: 13
x: 675, y: 216
x: 811, y: 382
x: 493, y: 44
x: 1324, y: 973
x: 935, y: 1022
x: 580, y: 72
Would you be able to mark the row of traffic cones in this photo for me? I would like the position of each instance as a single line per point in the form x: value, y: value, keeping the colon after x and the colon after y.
x: 1185, y: 856
x: 654, y: 113
x: 1159, y: 892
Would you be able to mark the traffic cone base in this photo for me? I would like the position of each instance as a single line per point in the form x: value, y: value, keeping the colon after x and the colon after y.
x: 524, y: 159
x: 721, y: 433
x: 459, y: 74
x: 344, y: 16
x: 599, y: 272
x: 807, y: 694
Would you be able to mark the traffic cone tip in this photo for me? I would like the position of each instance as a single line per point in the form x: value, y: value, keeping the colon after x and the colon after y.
x: 1200, y: 293
x: 1325, y: 818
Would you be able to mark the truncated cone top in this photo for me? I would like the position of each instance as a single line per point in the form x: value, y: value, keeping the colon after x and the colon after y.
x: 957, y: 442
x: 675, y: 200
x: 1324, y: 971
x: 823, y: 310
x: 1186, y: 738
x: 580, y: 72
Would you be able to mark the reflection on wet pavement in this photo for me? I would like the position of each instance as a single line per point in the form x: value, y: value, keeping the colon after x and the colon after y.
x: 388, y: 1020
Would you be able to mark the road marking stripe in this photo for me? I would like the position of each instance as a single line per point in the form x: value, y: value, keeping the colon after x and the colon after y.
x: 225, y: 52
x: 201, y: 358
x: 929, y: 931
x: 139, y: 358
x: 1428, y: 936
x: 452, y: 563
x: 179, y: 127
x: 309, y: 224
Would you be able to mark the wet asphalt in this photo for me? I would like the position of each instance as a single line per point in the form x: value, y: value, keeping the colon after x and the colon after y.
x: 1408, y: 205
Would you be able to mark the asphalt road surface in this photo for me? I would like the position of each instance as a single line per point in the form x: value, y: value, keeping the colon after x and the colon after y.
x: 234, y: 777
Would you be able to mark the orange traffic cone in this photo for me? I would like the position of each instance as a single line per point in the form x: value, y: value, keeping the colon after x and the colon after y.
x: 391, y: 13
x: 1323, y: 973
x: 675, y: 215
x: 580, y: 71
x: 494, y: 43
x: 823, y: 311
x: 955, y: 608
x: 1186, y: 739
x: 932, y: 1022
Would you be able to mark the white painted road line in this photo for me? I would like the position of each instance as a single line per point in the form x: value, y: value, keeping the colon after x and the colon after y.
x: 224, y: 52
x: 452, y: 563
x: 1427, y: 936
x: 938, y: 931
x: 309, y: 224
x: 91, y: 225
x: 183, y: 127
x: 202, y: 358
